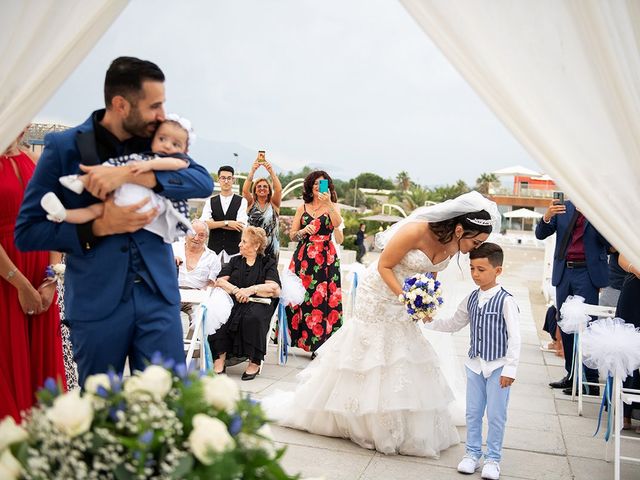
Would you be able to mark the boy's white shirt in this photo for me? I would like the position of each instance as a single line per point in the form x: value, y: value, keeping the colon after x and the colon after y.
x: 225, y: 201
x: 461, y: 319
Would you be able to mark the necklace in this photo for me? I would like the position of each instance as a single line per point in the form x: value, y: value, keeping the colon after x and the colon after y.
x: 262, y: 209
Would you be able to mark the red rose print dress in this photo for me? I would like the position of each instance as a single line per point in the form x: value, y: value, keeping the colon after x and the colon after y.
x: 316, y: 263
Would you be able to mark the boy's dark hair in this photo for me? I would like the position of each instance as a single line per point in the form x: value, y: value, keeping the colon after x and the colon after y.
x: 490, y: 251
x: 226, y: 168
x: 125, y: 76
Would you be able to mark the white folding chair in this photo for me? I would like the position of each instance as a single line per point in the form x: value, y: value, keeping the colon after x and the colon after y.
x: 576, y: 388
x: 621, y: 395
x: 193, y: 336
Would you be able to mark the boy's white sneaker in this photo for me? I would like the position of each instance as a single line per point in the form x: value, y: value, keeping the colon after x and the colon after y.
x: 491, y: 470
x: 468, y: 464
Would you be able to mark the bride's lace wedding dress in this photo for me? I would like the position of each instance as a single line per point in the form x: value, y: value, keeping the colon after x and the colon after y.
x: 377, y: 380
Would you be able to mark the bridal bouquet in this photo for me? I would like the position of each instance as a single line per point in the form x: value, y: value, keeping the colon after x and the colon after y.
x: 422, y: 296
x: 162, y: 423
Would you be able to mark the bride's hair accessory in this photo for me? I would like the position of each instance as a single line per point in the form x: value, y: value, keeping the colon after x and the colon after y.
x: 480, y: 221
x: 185, y: 124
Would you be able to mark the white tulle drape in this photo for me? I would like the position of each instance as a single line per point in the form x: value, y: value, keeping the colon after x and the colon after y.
x: 42, y: 42
x: 564, y: 77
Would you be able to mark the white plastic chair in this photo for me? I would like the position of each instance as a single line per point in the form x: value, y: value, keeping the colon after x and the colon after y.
x: 576, y: 388
x: 192, y: 338
x: 621, y: 395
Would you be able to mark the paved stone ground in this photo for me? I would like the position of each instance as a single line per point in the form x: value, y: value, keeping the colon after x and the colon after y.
x: 545, y: 437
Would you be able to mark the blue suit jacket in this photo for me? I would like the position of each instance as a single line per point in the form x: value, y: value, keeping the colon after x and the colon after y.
x: 595, y: 247
x: 95, y: 278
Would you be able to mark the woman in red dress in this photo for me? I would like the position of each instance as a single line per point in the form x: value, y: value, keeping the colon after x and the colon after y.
x: 30, y: 340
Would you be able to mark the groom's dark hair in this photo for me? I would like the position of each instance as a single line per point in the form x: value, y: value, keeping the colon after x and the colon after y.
x: 125, y: 77
x: 491, y: 251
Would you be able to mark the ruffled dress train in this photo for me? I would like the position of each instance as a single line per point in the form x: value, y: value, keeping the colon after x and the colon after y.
x: 377, y: 380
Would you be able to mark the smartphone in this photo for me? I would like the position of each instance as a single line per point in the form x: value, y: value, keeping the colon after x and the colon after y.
x: 558, y: 198
x: 261, y: 157
x: 323, y: 185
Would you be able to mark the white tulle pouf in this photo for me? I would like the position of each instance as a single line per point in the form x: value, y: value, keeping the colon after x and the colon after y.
x: 219, y: 306
x: 292, y: 292
x: 611, y: 346
x: 573, y: 314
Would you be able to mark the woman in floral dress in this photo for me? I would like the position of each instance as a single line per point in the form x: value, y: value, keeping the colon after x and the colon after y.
x: 316, y: 263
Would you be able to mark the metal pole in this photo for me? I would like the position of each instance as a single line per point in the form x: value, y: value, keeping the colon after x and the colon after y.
x: 355, y: 193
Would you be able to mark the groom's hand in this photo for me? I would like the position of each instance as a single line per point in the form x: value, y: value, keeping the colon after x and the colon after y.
x: 506, y: 381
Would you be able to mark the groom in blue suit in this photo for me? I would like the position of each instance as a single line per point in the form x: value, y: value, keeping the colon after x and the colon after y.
x: 121, y: 291
x: 580, y: 267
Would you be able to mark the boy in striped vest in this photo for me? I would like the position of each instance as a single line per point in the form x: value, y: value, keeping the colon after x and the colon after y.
x: 492, y: 314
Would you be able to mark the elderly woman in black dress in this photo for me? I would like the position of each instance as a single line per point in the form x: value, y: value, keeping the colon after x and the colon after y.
x: 247, y: 277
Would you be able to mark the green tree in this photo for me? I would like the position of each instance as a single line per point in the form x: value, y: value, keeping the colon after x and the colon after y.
x: 447, y: 192
x: 416, y: 196
x: 403, y: 181
x: 485, y: 181
x: 371, y: 180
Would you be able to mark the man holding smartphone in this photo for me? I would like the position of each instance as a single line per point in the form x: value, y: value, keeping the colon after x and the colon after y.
x: 579, y: 268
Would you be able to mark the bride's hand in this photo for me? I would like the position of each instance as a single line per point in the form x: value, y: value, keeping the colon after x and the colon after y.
x: 427, y: 320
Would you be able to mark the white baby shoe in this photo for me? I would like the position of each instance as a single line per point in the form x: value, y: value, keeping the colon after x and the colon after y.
x: 491, y: 470
x: 468, y: 464
x: 73, y: 183
x: 53, y: 206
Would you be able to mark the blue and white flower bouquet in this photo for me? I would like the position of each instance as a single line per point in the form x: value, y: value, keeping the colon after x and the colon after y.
x: 162, y: 423
x: 422, y: 295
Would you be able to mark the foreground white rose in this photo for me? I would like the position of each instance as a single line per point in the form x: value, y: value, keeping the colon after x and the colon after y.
x: 10, y: 468
x: 92, y: 383
x: 71, y: 414
x: 208, y: 438
x: 11, y: 433
x: 155, y: 380
x: 221, y: 392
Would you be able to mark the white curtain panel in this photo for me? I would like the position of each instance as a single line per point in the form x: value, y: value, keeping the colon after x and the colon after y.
x: 41, y: 43
x: 564, y: 77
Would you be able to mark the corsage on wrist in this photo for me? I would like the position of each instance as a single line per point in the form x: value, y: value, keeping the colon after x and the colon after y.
x: 54, y: 273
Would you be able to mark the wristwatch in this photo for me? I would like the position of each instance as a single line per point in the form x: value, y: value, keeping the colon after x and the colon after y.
x: 226, y: 223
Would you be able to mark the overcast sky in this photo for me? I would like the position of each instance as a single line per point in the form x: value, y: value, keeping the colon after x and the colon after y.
x: 352, y: 85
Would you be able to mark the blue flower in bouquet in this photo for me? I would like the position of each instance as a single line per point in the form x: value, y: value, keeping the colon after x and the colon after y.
x: 422, y: 296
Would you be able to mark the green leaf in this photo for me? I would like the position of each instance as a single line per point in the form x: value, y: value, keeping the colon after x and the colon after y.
x: 185, y: 465
x: 121, y: 473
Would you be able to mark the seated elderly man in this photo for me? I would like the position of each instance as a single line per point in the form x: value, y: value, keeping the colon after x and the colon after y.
x: 198, y: 266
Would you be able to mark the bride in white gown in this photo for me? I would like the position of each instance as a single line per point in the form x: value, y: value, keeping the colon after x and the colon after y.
x: 377, y: 380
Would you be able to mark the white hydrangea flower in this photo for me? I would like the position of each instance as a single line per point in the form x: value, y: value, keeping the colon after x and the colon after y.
x: 71, y: 414
x: 208, y: 438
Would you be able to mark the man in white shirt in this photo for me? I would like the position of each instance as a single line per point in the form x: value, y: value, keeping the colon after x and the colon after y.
x: 225, y: 215
x: 493, y: 359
